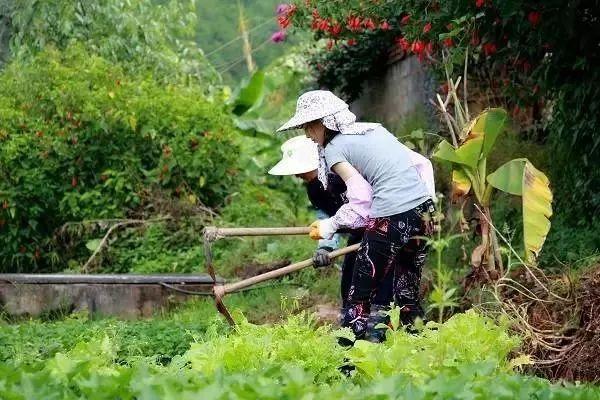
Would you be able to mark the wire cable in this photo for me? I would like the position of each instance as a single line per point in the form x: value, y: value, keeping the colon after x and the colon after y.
x: 235, y: 39
x: 233, y: 64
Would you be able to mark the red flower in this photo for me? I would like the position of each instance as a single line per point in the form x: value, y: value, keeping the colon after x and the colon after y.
x: 489, y: 48
x: 405, y: 19
x: 314, y: 25
x: 448, y: 42
x: 335, y: 29
x: 351, y: 42
x: 369, y: 24
x: 403, y: 43
x: 354, y: 23
x: 315, y: 13
x: 427, y: 27
x: 74, y: 181
x: 534, y: 18
x: 479, y: 3
x: 417, y: 47
x: 284, y: 21
x: 323, y: 25
x: 330, y: 44
x: 449, y: 26
x: 384, y: 26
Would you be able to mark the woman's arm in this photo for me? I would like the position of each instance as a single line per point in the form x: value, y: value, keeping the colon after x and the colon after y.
x: 355, y: 213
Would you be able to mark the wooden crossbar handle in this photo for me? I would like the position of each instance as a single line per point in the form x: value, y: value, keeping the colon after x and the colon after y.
x: 215, y: 232
x: 221, y: 290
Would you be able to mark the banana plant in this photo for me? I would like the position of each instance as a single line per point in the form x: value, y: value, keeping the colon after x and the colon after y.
x: 517, y: 177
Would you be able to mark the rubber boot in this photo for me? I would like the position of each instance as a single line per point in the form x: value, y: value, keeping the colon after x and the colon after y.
x: 353, y: 318
x: 377, y: 316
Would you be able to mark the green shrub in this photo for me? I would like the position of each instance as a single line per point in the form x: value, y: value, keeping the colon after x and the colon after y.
x: 81, y: 139
x: 156, y: 37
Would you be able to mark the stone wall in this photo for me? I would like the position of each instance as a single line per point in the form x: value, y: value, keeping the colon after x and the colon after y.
x: 405, y: 89
x: 123, y: 300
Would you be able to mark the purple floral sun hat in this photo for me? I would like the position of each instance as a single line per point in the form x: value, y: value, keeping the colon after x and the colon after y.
x: 330, y: 109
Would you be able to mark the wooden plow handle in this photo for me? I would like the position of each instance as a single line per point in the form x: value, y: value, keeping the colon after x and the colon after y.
x: 212, y: 233
x: 221, y: 290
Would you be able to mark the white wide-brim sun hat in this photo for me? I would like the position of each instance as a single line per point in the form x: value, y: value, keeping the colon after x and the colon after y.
x: 299, y: 155
x: 314, y: 105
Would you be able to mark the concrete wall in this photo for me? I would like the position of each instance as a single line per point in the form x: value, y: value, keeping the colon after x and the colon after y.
x: 124, y: 300
x: 402, y: 91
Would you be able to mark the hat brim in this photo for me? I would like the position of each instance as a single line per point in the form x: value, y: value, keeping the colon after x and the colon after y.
x: 294, y: 123
x: 287, y: 167
x: 297, y: 121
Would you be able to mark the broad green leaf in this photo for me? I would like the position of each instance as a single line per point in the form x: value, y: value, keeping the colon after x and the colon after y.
x: 520, y: 177
x: 491, y: 124
x: 258, y: 128
x: 461, y: 184
x: 93, y: 244
x: 446, y: 152
x: 249, y: 94
x: 470, y: 151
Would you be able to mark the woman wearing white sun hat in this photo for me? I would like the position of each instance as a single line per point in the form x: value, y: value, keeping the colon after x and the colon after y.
x: 300, y: 158
x: 390, y: 191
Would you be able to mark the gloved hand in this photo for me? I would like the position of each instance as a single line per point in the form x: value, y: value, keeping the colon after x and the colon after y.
x: 315, y: 232
x: 322, y: 229
x: 321, y: 257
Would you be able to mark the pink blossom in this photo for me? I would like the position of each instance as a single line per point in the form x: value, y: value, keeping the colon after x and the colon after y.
x: 278, y: 37
x: 282, y: 9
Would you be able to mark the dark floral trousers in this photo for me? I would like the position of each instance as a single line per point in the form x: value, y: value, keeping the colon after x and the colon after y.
x: 388, y: 269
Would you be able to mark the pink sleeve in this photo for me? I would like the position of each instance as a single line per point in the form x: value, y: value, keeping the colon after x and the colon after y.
x: 425, y: 171
x: 353, y: 214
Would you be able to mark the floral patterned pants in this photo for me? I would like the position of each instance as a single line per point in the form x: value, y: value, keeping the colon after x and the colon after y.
x: 392, y: 248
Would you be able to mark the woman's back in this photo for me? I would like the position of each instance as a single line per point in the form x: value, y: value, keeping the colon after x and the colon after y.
x: 385, y: 163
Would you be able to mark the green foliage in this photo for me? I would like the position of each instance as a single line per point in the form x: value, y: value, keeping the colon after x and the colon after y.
x: 347, y: 66
x: 82, y: 139
x: 473, y: 143
x: 467, y: 357
x: 434, y: 351
x: 29, y: 342
x: 575, y: 144
x: 144, y: 36
x: 164, y: 247
x: 537, y: 57
x: 256, y: 348
x: 255, y: 205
